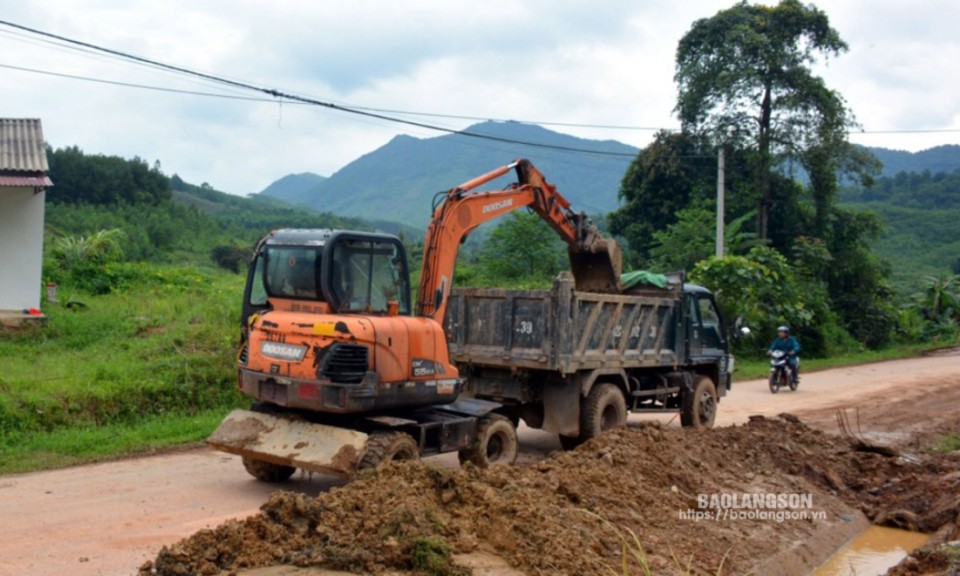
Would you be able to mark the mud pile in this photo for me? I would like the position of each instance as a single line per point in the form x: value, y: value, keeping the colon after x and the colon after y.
x: 578, y: 512
x: 925, y: 496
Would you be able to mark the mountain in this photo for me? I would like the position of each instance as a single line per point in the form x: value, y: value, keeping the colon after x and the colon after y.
x: 398, y: 181
x: 293, y: 185
x: 944, y: 158
x: 262, y: 213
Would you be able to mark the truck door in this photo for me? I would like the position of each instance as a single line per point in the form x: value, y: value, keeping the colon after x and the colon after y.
x: 712, y: 338
x: 705, y: 332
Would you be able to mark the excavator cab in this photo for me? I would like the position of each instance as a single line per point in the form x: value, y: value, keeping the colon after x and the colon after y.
x: 327, y: 271
x: 327, y: 327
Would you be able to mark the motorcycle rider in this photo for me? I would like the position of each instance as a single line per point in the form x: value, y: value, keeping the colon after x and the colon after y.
x: 791, y: 347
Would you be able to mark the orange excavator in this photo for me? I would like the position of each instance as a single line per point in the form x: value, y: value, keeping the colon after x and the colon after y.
x: 344, y: 374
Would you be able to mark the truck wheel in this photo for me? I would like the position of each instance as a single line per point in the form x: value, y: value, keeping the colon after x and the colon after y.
x: 386, y: 447
x: 603, y: 409
x: 268, y: 471
x: 699, y: 409
x: 495, y: 443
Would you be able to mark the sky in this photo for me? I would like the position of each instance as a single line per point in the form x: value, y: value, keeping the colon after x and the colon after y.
x: 604, y: 62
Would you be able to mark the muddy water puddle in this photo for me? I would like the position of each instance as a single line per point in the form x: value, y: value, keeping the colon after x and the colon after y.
x: 872, y: 552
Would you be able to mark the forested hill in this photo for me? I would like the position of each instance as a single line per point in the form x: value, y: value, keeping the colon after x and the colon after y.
x: 164, y: 218
x: 944, y: 158
x: 398, y: 180
x: 920, y: 212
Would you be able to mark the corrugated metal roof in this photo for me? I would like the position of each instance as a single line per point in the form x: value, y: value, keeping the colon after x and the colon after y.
x: 24, y: 181
x: 21, y: 145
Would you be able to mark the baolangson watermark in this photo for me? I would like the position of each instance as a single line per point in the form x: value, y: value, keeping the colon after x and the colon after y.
x: 721, y: 507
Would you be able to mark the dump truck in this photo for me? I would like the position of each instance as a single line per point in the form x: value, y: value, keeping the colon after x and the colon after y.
x: 347, y: 372
x: 574, y: 363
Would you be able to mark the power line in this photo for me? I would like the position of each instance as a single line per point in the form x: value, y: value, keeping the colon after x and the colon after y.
x: 371, y: 112
x: 540, y: 122
x: 141, y: 86
x: 907, y: 131
x: 329, y: 105
x: 217, y: 95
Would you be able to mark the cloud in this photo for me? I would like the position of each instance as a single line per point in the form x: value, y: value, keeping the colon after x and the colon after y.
x: 562, y: 60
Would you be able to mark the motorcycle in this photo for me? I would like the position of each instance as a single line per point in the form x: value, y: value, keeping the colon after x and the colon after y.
x: 780, y: 372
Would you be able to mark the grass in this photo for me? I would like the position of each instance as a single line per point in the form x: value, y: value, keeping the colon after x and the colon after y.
x: 759, y: 369
x: 949, y: 443
x: 71, y: 446
x: 430, y: 555
x: 138, y: 370
x: 633, y: 557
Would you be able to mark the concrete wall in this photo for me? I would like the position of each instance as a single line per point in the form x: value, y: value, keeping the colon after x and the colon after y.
x: 21, y: 248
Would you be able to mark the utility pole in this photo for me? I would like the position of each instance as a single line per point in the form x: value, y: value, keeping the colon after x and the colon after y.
x: 720, y: 207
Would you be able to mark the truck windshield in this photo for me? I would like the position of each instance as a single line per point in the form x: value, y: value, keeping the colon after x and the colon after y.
x: 366, y: 274
x: 291, y: 272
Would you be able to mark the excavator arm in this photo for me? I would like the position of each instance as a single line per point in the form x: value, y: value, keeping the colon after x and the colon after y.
x: 594, y: 260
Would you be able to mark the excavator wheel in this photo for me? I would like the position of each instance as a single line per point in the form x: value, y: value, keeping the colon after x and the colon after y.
x: 268, y: 471
x: 495, y: 443
x: 386, y: 447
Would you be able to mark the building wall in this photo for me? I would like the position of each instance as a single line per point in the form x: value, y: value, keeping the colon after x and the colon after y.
x: 21, y: 248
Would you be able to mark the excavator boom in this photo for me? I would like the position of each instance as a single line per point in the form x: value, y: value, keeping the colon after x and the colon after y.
x: 594, y: 260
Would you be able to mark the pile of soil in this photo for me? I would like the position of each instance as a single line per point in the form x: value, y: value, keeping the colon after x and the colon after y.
x: 582, y: 512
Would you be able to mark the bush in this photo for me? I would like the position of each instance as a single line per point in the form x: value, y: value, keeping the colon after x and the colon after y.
x: 762, y: 290
x: 230, y: 257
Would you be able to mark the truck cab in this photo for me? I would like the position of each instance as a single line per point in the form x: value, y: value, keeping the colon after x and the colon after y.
x: 706, y: 336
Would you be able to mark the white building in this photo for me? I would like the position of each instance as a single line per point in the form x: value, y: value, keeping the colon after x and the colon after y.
x: 23, y: 179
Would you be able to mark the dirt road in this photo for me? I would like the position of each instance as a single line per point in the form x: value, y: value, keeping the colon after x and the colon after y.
x: 106, y: 519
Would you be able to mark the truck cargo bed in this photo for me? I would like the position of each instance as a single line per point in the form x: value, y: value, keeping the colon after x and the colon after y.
x: 562, y: 329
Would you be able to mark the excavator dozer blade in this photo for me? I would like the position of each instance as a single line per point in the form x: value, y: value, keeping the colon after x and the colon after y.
x: 290, y: 442
x: 597, y: 269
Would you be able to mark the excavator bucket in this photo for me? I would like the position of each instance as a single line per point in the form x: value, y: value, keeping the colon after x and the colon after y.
x: 287, y: 441
x: 597, y: 267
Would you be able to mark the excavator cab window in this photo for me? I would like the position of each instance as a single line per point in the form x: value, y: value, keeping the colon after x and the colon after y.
x: 366, y: 273
x: 292, y: 272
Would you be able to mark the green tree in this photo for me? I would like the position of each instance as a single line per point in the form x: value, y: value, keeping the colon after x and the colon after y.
x: 692, y: 238
x: 937, y: 307
x: 860, y: 287
x: 745, y: 79
x: 73, y: 252
x: 230, y: 257
x: 521, y: 249
x: 104, y: 180
x: 86, y: 261
x: 762, y: 290
x: 667, y: 175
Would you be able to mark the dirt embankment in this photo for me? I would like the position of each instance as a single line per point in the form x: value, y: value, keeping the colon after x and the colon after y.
x: 578, y: 512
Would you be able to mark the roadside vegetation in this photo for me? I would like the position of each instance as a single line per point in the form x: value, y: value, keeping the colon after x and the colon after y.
x: 141, y: 367
x: 139, y: 352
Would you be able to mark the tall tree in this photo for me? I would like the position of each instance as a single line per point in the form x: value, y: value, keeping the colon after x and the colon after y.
x: 667, y: 175
x: 745, y: 79
x: 522, y: 247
